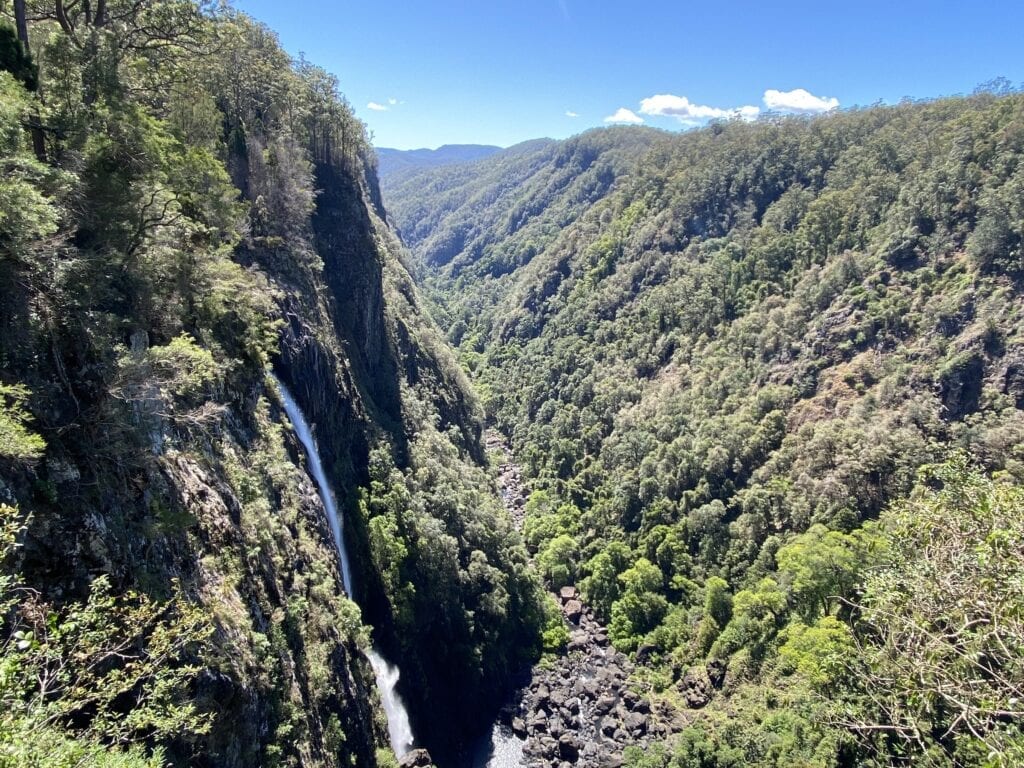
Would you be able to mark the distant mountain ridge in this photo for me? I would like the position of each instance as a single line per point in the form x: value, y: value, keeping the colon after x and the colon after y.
x: 394, y: 160
x: 531, y: 190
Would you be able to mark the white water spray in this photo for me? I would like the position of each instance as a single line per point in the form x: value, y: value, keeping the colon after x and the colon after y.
x: 387, y: 674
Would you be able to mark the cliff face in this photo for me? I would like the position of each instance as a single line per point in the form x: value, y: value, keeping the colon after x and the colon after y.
x: 209, y: 491
x: 172, y: 250
x: 400, y: 431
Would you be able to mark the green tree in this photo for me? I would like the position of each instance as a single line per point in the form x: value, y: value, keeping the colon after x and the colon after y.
x: 640, y: 607
x: 557, y: 560
x: 716, y: 614
x: 820, y: 565
x: 17, y: 441
x: 757, y: 616
x: 119, y: 667
x: 821, y: 653
x: 602, y: 586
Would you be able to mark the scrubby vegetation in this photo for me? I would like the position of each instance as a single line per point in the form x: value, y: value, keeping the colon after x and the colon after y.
x: 724, y: 367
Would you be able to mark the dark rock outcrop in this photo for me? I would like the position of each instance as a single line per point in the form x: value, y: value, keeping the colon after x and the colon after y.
x: 417, y: 758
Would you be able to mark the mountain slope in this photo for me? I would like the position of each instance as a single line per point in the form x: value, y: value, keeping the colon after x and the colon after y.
x: 200, y: 209
x: 722, y: 368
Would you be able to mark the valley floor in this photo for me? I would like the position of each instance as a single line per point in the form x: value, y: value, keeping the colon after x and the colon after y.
x: 580, y: 707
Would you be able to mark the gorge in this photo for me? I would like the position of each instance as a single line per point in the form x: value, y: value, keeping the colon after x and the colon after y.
x: 639, y: 448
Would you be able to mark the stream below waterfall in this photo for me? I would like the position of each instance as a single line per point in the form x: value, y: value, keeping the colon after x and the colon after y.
x: 579, y: 708
x: 399, y: 729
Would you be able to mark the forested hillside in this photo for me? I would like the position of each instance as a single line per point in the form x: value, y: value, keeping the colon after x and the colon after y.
x: 485, y: 219
x: 182, y: 209
x: 767, y: 382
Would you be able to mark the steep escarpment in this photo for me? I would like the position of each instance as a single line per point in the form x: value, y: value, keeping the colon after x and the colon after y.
x: 196, y: 209
x: 740, y: 380
x: 438, y: 569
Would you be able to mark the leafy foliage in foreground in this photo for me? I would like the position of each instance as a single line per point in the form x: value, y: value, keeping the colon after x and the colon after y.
x: 100, y: 657
x: 724, y: 367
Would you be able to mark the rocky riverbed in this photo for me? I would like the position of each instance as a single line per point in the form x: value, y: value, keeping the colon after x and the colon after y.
x: 579, y: 710
x: 510, y: 477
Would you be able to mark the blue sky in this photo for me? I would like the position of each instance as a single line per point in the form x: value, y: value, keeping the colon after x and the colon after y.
x: 425, y: 73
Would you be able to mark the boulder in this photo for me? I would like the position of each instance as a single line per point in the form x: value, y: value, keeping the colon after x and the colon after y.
x: 716, y: 669
x: 577, y: 642
x: 538, y: 723
x: 636, y: 723
x: 542, y: 697
x: 604, y: 705
x: 585, y: 689
x: 417, y: 758
x: 568, y: 593
x: 549, y: 748
x: 519, y: 727
x: 573, y: 611
x: 696, y: 690
x: 568, y: 747
x: 645, y: 653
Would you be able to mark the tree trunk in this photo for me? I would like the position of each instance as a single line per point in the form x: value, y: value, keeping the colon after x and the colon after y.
x: 62, y: 19
x: 38, y: 139
x: 21, y: 22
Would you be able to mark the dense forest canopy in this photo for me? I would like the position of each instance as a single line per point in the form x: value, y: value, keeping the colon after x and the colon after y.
x: 768, y: 381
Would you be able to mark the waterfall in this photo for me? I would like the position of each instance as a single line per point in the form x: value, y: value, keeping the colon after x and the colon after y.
x: 399, y: 729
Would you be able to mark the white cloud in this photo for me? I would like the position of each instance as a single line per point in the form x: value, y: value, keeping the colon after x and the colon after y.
x: 376, y: 107
x: 678, y: 106
x: 393, y: 102
x: 798, y: 100
x: 747, y: 113
x: 570, y: 113
x: 688, y: 113
x: 624, y: 115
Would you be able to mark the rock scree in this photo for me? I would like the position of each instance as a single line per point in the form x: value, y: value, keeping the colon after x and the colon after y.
x: 579, y: 710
